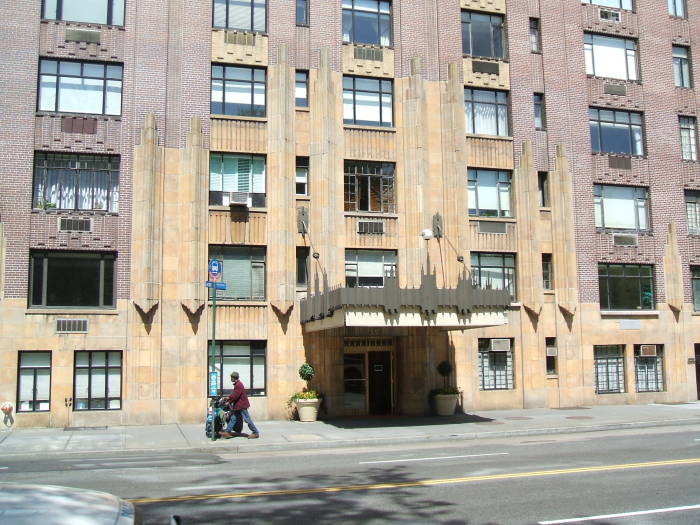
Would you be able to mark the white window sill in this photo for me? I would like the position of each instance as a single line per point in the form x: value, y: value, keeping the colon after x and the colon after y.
x: 71, y: 311
x: 229, y: 302
x: 388, y: 129
x: 629, y: 313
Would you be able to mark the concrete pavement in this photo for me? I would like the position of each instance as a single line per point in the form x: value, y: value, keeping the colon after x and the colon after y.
x: 293, y: 435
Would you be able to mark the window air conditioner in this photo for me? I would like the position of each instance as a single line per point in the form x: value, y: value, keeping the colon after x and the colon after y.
x: 647, y: 350
x: 370, y: 227
x: 551, y: 351
x: 240, y: 198
x: 609, y: 15
x: 500, y: 345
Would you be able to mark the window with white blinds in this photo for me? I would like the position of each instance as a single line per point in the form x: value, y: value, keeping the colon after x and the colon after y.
x: 621, y: 207
x: 692, y: 210
x: 245, y: 15
x: 34, y: 382
x: 243, y: 272
x: 236, y: 173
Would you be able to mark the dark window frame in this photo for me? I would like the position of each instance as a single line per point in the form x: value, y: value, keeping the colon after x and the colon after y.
x: 302, y: 165
x: 91, y: 400
x: 644, y: 288
x: 540, y: 113
x: 497, y: 44
x: 649, y: 373
x: 302, y: 265
x: 380, y: 92
x: 510, y: 280
x: 547, y: 272
x: 301, y: 77
x: 229, y: 25
x: 630, y: 45
x: 302, y: 7
x: 551, y: 360
x: 535, y: 35
x: 496, y: 369
x: 256, y: 259
x: 500, y: 102
x: 349, y: 23
x: 258, y: 199
x: 695, y: 286
x: 362, y: 180
x: 34, y: 401
x: 682, y: 67
x: 597, y: 125
x: 613, y: 367
x: 543, y: 188
x: 257, y: 347
x: 352, y: 262
x: 683, y: 4
x: 620, y: 6
x: 504, y: 179
x: 110, y: 13
x: 689, y: 148
x: 250, y: 108
x: 692, y: 211
x: 640, y: 198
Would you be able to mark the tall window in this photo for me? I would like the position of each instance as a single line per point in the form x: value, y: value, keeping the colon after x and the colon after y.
x: 368, y: 267
x: 301, y: 89
x: 80, y: 87
x: 244, y: 15
x: 482, y: 35
x: 76, y: 182
x: 692, y: 211
x: 681, y: 66
x: 369, y: 186
x: 302, y: 257
x: 611, y: 57
x: 538, y: 99
x: 547, y: 272
x: 618, y: 4
x: 494, y: 271
x: 626, y: 286
x: 34, y: 382
x: 495, y: 365
x: 367, y: 22
x: 535, y: 40
x: 649, y: 369
x: 110, y: 12
x: 302, y: 12
x: 543, y: 188
x: 621, y: 207
x: 98, y: 381
x: 689, y: 149
x: 72, y: 279
x: 489, y: 193
x: 245, y: 357
x: 243, y: 272
x: 551, y: 357
x: 302, y: 176
x: 616, y: 131
x: 677, y: 8
x: 238, y: 91
x: 695, y: 281
x: 368, y: 101
x: 486, y: 112
x: 235, y: 176
x: 609, y: 369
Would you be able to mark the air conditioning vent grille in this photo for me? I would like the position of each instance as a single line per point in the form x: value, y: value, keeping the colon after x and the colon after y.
x: 609, y: 15
x: 625, y: 239
x: 369, y: 53
x: 71, y: 326
x: 370, y: 227
x: 493, y: 227
x: 240, y: 38
x: 68, y: 224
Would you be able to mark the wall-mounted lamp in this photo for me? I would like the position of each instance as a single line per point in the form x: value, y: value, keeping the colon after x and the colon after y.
x: 316, y: 255
x: 427, y: 234
x: 460, y: 259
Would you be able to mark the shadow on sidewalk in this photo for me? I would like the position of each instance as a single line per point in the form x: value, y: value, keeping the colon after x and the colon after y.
x: 404, y: 421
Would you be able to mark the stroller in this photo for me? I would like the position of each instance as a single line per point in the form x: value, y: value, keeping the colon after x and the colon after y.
x: 217, y: 418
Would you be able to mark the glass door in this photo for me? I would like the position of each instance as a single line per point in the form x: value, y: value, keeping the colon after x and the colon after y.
x: 355, y: 384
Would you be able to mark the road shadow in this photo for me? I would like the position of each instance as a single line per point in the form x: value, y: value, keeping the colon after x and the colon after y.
x: 404, y: 421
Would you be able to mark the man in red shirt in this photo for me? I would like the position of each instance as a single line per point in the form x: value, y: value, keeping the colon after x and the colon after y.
x: 238, y: 401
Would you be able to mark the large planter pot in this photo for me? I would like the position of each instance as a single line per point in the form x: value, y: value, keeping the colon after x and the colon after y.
x: 445, y: 404
x: 307, y: 409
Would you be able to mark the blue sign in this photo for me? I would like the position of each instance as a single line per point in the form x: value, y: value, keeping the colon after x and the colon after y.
x: 213, y: 383
x: 215, y: 269
x: 218, y: 286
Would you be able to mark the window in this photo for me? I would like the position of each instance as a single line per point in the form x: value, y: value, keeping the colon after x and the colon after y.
x: 98, y: 381
x: 243, y: 272
x: 535, y: 39
x: 486, y: 112
x: 367, y: 101
x: 80, y: 87
x: 234, y: 176
x: 301, y: 89
x: 610, y: 57
x: 302, y: 12
x: 495, y: 367
x: 695, y: 282
x: 676, y: 8
x: 494, y: 271
x: 369, y: 186
x: 538, y: 99
x: 621, y: 207
x: 543, y: 188
x: 302, y: 266
x: 76, y: 182
x: 482, y: 35
x: 626, y: 286
x: 367, y: 22
x: 689, y: 150
x: 489, y: 193
x: 34, y: 382
x: 649, y: 370
x: 302, y: 176
x: 368, y: 267
x: 681, y: 66
x: 616, y: 131
x: 547, y: 273
x: 245, y: 15
x: 618, y: 4
x: 609, y: 369
x: 551, y: 357
x: 77, y: 279
x: 238, y: 91
x: 692, y: 211
x: 110, y: 12
x: 245, y: 357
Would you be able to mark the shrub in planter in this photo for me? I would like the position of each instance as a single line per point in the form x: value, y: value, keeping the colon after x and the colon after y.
x: 307, y: 401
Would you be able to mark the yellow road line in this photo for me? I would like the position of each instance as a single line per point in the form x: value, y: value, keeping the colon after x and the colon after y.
x: 421, y: 483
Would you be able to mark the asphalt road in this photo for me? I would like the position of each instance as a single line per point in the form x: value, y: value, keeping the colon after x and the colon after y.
x: 623, y: 477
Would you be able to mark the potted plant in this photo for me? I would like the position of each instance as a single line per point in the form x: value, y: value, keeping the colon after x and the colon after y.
x: 306, y: 401
x: 447, y: 396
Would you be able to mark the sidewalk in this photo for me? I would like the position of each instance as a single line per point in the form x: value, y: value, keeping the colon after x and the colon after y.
x: 290, y: 435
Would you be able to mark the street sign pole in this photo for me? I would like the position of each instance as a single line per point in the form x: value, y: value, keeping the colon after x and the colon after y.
x: 214, y: 275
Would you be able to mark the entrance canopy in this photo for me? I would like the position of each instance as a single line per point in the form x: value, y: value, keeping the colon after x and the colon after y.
x: 465, y: 306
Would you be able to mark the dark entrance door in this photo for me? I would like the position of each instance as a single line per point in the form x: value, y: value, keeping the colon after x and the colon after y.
x: 379, y: 372
x: 697, y: 368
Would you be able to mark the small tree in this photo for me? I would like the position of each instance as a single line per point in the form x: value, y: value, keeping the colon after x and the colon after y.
x: 445, y: 368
